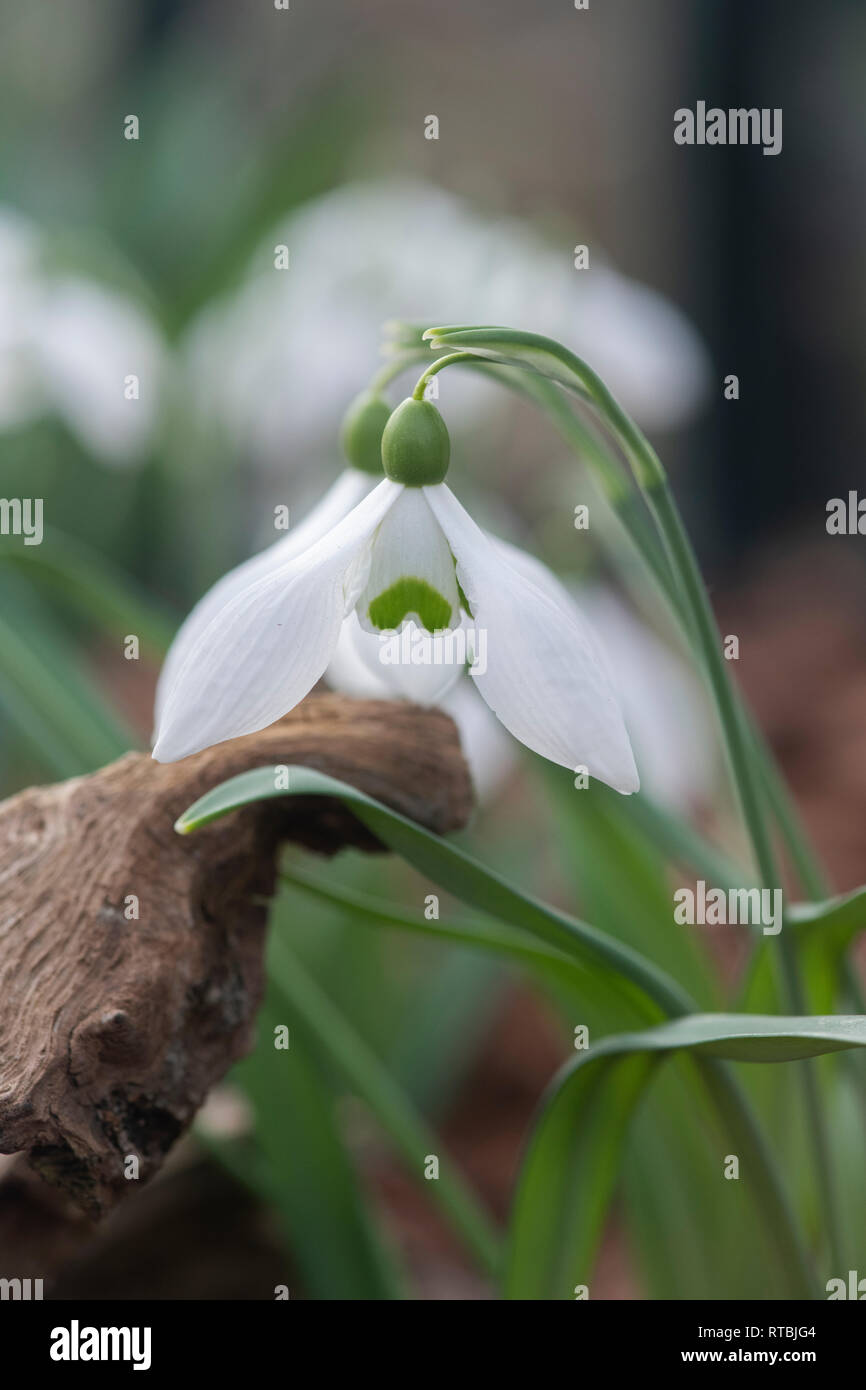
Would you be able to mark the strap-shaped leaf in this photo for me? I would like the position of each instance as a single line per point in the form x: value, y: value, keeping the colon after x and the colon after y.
x: 573, y: 1158
x: 308, y: 1175
x: 446, y: 864
x: 845, y: 914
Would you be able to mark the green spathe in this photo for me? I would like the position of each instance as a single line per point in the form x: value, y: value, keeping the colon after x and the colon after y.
x: 415, y: 445
x: 361, y: 432
x: 410, y: 596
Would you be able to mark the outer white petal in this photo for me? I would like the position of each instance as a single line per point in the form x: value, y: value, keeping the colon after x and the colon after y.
x: 542, y: 677
x: 338, y: 501
x: 364, y: 663
x: 270, y: 643
x: 543, y: 578
x: 663, y: 706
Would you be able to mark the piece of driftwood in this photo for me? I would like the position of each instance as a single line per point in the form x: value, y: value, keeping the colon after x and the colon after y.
x: 113, y: 1027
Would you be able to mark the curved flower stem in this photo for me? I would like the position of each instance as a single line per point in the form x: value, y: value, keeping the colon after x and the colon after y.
x: 561, y: 365
x: 627, y: 505
x: 446, y: 361
x: 652, y: 481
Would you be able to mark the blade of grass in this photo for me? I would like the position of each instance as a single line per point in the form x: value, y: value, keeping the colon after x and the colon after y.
x: 311, y: 1009
x: 88, y: 585
x: 329, y: 1228
x: 568, y: 1173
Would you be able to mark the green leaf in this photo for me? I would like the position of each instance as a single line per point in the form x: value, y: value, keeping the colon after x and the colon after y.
x: 510, y: 346
x: 588, y: 994
x: 621, y: 884
x: 612, y: 846
x: 488, y: 936
x: 45, y: 690
x: 616, y: 967
x: 330, y: 1231
x: 535, y: 353
x: 568, y: 1174
x: 845, y: 915
x: 85, y: 583
x: 456, y: 871
x: 749, y: 1037
x: 568, y: 1178
x: 308, y: 1008
x: 823, y: 932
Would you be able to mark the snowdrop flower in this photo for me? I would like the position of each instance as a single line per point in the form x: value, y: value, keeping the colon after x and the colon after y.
x: 66, y: 346
x: 426, y: 254
x: 407, y: 553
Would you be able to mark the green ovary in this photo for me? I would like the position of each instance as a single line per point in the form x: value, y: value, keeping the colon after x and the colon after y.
x: 388, y: 610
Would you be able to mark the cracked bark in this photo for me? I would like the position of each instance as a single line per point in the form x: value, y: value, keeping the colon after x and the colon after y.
x: 112, y: 1029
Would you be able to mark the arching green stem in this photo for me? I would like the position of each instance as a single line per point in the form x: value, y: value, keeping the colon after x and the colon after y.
x: 690, y: 599
x: 446, y: 361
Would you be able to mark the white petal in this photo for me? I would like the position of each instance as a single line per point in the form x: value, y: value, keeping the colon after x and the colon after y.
x: 354, y: 668
x: 488, y: 749
x: 267, y: 647
x: 663, y: 706
x: 338, y: 501
x: 411, y: 664
x: 411, y: 569
x: 423, y: 666
x: 543, y: 578
x: 542, y: 678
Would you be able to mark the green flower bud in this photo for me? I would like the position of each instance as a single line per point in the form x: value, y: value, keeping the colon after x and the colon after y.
x: 361, y: 433
x: 415, y: 445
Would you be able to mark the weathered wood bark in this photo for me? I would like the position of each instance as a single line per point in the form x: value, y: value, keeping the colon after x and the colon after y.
x: 113, y: 1030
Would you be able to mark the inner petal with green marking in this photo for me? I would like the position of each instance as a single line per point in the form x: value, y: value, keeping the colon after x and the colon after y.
x: 411, y: 573
x: 410, y: 597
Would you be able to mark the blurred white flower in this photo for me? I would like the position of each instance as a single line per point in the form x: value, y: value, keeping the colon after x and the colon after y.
x: 67, y: 343
x: 276, y: 361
